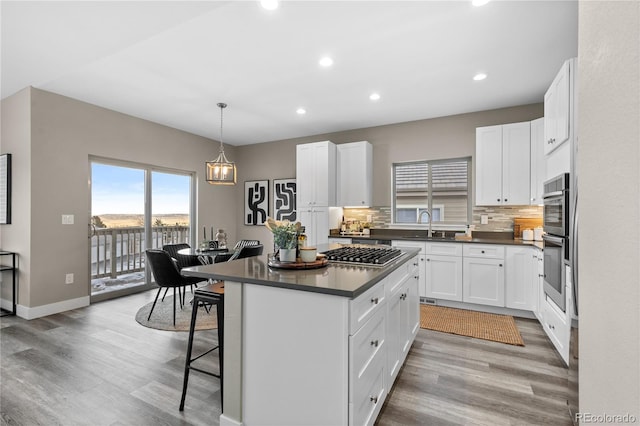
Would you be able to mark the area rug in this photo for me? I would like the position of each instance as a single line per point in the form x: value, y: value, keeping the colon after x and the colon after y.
x: 162, y: 317
x: 481, y: 325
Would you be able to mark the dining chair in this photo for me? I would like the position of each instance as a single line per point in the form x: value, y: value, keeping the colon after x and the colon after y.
x: 182, y: 261
x: 166, y: 274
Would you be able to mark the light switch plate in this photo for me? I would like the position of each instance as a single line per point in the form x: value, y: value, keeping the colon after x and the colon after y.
x: 68, y: 279
x: 484, y: 219
x: 67, y: 219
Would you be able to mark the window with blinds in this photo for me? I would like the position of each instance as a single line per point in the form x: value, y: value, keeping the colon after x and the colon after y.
x: 442, y: 187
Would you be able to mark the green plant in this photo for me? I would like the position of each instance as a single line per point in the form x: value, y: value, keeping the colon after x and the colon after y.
x: 285, y: 233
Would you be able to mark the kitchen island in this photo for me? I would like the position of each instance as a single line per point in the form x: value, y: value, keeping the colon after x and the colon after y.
x: 313, y: 346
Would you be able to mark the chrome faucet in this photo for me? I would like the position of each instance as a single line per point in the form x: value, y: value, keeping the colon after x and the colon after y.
x: 429, y: 233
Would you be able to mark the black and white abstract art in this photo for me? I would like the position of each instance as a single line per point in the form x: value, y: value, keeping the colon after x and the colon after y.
x: 256, y: 195
x: 284, y: 199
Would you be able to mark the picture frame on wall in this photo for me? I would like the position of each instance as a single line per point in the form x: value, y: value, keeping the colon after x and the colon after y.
x: 5, y: 189
x: 284, y: 199
x: 256, y: 196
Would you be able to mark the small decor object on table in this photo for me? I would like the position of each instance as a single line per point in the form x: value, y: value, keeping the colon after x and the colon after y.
x: 221, y: 238
x: 285, y: 238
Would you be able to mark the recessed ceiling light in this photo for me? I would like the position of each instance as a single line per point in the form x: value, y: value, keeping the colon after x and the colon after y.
x: 479, y: 76
x: 269, y: 4
x: 326, y: 61
x: 374, y: 96
x: 301, y: 111
x: 479, y: 2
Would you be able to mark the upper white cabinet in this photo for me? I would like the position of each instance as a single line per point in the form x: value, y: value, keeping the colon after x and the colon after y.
x: 503, y: 161
x: 538, y: 163
x: 557, y: 105
x: 316, y: 174
x: 355, y: 173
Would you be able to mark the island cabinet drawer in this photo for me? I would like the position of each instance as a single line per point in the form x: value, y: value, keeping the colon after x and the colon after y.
x: 444, y: 249
x: 367, y: 394
x: 488, y: 251
x: 364, y: 306
x: 367, y: 345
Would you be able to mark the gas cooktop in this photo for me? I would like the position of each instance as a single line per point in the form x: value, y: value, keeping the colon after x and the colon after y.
x: 363, y: 255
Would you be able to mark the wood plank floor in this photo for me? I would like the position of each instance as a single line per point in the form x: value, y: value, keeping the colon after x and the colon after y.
x: 97, y: 366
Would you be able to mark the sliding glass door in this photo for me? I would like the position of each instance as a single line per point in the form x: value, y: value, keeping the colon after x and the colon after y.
x: 134, y: 207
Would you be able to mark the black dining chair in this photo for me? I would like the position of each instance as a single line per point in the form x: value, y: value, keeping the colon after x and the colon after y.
x: 225, y: 257
x: 167, y: 275
x: 247, y: 251
x: 182, y: 261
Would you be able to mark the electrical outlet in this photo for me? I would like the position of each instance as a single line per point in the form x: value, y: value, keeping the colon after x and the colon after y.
x: 369, y: 218
x: 484, y: 219
x: 68, y: 279
x: 67, y: 219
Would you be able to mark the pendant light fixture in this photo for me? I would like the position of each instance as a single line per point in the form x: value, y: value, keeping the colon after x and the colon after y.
x: 221, y: 171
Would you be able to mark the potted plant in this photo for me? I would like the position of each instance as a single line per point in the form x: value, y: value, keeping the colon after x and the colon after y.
x: 285, y: 238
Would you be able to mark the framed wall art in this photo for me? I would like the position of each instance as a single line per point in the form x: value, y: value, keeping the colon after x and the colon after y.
x: 5, y: 189
x: 256, y: 195
x: 284, y: 199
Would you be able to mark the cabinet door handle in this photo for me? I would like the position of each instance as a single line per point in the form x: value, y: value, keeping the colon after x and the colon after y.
x: 498, y: 199
x: 374, y: 343
x: 428, y: 260
x: 417, y: 277
x: 403, y: 296
x: 415, y: 264
x: 500, y: 265
x: 482, y: 251
x: 551, y: 327
x: 505, y: 200
x: 373, y: 399
x: 374, y: 301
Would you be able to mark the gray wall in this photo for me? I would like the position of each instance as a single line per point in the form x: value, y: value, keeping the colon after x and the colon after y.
x: 51, y: 175
x: 609, y: 182
x: 445, y: 137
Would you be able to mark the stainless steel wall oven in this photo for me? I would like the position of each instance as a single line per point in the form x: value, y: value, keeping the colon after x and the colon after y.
x: 556, y: 226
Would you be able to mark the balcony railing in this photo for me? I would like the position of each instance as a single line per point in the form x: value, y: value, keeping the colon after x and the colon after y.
x: 117, y: 251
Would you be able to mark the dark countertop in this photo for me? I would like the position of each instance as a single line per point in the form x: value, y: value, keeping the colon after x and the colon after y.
x: 334, y: 279
x: 504, y: 238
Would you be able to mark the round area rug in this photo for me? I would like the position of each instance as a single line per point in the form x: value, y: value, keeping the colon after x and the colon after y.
x: 162, y: 316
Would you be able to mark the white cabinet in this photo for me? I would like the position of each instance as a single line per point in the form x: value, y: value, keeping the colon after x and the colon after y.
x: 539, y: 286
x: 521, y: 277
x: 503, y: 161
x: 403, y: 312
x: 557, y: 104
x: 420, y: 260
x: 354, y: 174
x: 483, y: 274
x: 316, y: 223
x: 316, y: 174
x: 538, y: 163
x: 443, y: 271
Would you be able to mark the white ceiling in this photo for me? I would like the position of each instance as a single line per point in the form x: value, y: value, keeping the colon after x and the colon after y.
x: 170, y: 62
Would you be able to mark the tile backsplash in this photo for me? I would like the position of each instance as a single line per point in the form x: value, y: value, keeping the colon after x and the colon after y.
x: 500, y: 217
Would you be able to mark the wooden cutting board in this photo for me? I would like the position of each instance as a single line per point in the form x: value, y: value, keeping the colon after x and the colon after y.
x: 522, y: 223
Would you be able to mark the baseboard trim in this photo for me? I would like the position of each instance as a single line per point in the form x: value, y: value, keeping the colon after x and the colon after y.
x: 228, y: 421
x: 29, y: 313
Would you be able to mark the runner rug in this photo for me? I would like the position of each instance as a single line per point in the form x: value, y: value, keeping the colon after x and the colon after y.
x: 481, y: 325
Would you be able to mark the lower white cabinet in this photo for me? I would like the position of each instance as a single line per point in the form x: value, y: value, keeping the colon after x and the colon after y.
x: 521, y: 276
x: 443, y: 277
x: 384, y: 322
x: 483, y: 274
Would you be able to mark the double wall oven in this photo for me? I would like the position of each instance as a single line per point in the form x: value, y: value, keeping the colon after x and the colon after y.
x: 556, y: 224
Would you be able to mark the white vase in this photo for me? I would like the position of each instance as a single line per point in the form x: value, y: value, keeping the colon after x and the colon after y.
x: 287, y: 255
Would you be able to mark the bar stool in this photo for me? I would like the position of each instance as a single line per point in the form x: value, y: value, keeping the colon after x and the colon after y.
x: 212, y: 294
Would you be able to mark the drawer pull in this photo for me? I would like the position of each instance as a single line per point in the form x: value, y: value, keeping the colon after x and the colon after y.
x: 374, y: 300
x: 403, y: 296
x: 482, y: 251
x: 417, y: 277
x: 552, y: 327
x: 500, y: 265
x: 374, y: 343
x: 415, y: 264
x: 373, y: 399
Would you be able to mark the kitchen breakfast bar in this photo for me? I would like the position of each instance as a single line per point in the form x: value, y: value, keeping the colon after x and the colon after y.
x: 313, y: 346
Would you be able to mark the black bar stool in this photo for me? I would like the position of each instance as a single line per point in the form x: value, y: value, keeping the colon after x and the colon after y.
x: 212, y: 294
